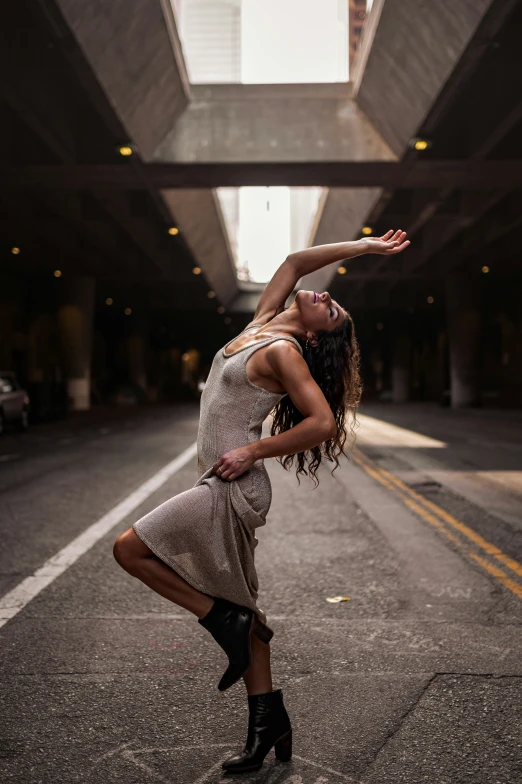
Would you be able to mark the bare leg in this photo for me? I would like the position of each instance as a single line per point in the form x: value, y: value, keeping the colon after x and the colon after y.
x: 258, y: 677
x: 136, y: 558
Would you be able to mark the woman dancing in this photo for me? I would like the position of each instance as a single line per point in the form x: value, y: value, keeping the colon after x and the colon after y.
x: 197, y: 549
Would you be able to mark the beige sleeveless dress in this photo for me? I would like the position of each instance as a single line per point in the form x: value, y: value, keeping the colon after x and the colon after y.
x: 207, y: 534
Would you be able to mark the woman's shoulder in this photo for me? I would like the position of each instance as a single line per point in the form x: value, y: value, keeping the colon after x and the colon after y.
x: 284, y: 347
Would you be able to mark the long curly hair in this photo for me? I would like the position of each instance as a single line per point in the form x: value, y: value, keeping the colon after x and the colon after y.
x: 335, y: 366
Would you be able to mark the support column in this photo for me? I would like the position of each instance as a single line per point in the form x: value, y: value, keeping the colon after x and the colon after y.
x: 463, y: 305
x: 401, y: 351
x: 75, y: 316
x: 137, y: 344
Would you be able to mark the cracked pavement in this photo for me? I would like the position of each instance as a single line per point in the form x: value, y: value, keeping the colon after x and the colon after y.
x: 417, y: 678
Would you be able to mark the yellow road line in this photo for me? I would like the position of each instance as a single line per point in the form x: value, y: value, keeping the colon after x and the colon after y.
x: 464, y: 529
x: 441, y: 519
x: 499, y: 574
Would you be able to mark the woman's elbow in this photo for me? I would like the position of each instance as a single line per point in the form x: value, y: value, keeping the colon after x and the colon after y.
x: 328, y: 429
x: 332, y: 431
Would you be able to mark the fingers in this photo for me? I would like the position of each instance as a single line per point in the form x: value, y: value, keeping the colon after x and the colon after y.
x: 218, y: 469
x: 388, y: 247
x: 397, y: 242
x: 400, y: 247
x: 394, y: 236
x: 222, y: 471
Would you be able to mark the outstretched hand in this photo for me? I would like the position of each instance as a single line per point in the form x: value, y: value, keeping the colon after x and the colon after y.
x: 389, y: 244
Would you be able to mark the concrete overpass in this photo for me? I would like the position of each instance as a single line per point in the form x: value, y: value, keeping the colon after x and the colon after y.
x: 82, y: 79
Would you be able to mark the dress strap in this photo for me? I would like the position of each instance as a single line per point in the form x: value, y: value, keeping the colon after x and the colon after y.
x: 272, y: 338
x: 261, y: 343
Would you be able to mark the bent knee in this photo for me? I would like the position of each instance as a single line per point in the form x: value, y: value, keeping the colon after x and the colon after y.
x: 128, y: 548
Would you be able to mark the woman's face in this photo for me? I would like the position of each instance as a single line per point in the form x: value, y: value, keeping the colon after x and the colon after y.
x: 319, y: 311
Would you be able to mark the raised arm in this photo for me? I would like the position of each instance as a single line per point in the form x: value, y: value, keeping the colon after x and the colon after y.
x: 296, y: 265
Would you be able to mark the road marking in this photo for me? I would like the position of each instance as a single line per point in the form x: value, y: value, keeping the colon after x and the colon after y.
x: 479, y: 540
x: 150, y: 773
x: 499, y: 574
x: 441, y: 519
x: 16, y: 599
x: 274, y: 772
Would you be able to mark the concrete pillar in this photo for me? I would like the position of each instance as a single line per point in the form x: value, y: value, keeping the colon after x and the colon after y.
x: 136, y: 354
x: 511, y: 359
x: 463, y: 307
x: 401, y: 351
x: 136, y: 347
x: 75, y: 315
x: 442, y: 367
x: 39, y: 342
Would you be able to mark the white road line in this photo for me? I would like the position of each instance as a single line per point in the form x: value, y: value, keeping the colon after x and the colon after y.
x: 14, y: 601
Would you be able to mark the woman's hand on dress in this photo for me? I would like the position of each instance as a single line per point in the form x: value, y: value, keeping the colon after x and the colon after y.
x: 389, y: 244
x: 234, y: 463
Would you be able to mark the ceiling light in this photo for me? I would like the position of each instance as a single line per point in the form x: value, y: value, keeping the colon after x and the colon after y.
x: 15, y: 251
x: 211, y: 294
x: 380, y: 326
x: 127, y: 311
x: 221, y: 309
x: 173, y: 231
x: 341, y: 270
x: 126, y: 150
x: 367, y: 230
x: 485, y: 268
x: 57, y: 273
x: 430, y: 300
x: 419, y: 144
x: 108, y: 301
x: 196, y: 270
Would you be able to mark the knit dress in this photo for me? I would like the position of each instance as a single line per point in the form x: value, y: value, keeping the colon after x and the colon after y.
x: 207, y: 533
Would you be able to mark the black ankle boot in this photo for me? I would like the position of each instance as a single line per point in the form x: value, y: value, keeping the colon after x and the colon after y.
x: 230, y: 625
x: 268, y: 725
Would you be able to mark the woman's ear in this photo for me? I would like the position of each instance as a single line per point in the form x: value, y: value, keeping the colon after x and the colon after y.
x: 310, y: 336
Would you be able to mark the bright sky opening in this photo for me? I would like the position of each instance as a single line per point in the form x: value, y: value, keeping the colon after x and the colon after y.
x: 273, y: 41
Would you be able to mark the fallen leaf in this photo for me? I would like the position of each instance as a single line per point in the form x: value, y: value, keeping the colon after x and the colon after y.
x: 335, y: 599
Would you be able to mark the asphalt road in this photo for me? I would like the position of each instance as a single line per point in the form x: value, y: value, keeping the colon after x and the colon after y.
x: 417, y: 678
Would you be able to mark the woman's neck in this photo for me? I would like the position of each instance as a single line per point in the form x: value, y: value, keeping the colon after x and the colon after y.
x: 288, y: 322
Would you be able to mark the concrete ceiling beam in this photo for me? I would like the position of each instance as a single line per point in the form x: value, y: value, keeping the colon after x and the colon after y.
x: 134, y: 50
x: 200, y: 220
x: 272, y: 124
x: 414, y: 49
x: 133, y: 47
x: 429, y: 51
x: 354, y: 175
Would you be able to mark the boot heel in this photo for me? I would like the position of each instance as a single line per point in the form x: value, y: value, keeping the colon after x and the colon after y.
x: 261, y: 630
x: 283, y: 747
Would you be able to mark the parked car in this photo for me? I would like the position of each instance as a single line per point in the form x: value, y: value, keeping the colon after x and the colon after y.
x: 14, y: 401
